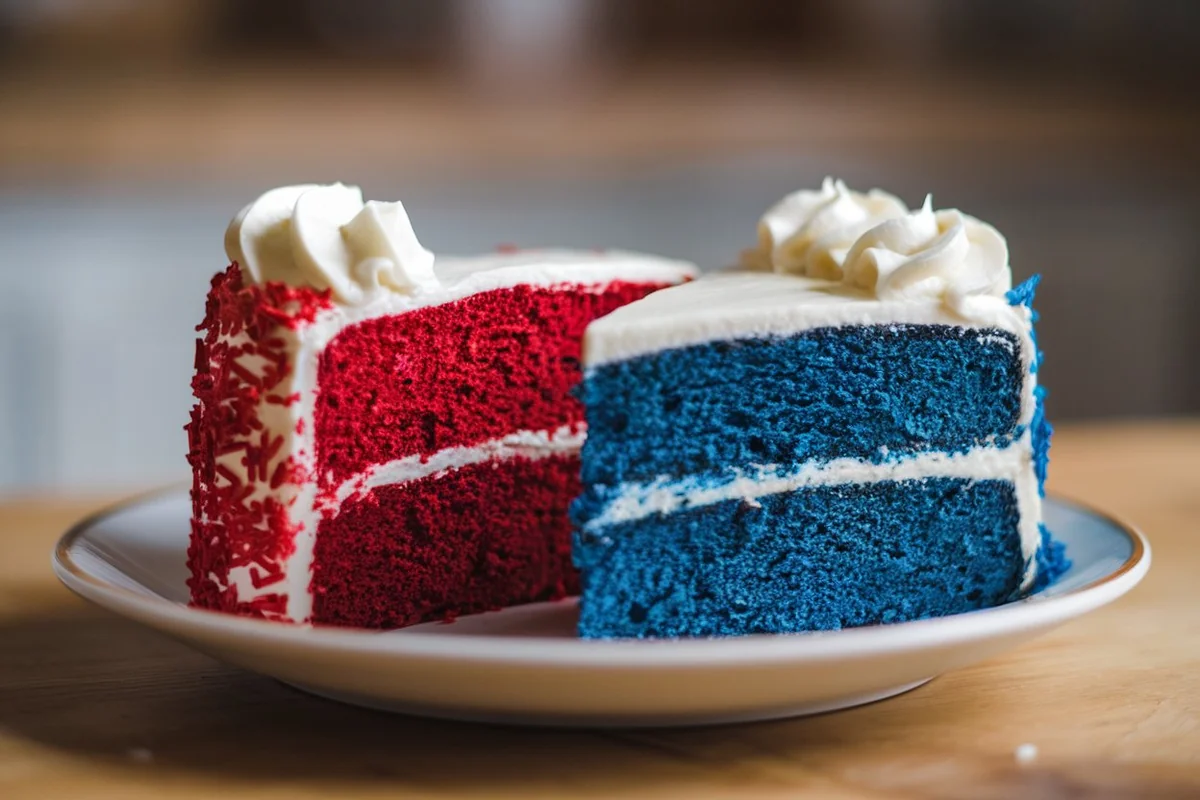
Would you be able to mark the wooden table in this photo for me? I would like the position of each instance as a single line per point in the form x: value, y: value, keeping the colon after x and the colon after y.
x: 92, y: 706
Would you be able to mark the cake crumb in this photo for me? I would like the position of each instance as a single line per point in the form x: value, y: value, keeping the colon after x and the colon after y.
x: 1026, y: 753
x: 140, y: 755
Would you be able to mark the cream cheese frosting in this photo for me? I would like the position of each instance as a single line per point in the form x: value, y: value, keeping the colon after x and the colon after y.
x: 327, y: 237
x: 944, y: 254
x: 809, y: 232
x: 871, y: 242
x: 368, y: 256
x: 742, y: 304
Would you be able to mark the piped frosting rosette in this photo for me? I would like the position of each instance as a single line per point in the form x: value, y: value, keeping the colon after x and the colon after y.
x: 809, y: 232
x: 930, y: 253
x: 326, y: 237
x: 872, y: 242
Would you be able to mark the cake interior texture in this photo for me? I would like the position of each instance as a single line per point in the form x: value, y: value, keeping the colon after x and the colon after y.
x: 821, y: 554
x: 482, y: 536
x: 822, y: 558
x: 455, y: 374
x: 869, y: 392
x: 393, y: 393
x: 479, y: 538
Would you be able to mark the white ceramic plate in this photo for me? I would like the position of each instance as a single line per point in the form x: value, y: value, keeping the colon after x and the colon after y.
x: 524, y: 665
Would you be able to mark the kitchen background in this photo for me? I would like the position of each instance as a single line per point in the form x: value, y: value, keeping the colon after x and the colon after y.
x: 132, y: 130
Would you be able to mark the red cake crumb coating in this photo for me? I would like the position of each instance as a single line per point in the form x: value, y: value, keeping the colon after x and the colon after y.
x: 229, y: 526
x: 475, y: 539
x: 455, y: 375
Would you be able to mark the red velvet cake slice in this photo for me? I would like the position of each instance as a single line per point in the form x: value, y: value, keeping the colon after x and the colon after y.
x: 378, y: 441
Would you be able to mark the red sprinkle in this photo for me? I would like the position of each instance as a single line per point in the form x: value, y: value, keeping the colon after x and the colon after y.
x: 228, y: 529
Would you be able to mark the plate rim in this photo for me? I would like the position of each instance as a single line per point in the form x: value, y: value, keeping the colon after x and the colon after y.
x: 172, y: 617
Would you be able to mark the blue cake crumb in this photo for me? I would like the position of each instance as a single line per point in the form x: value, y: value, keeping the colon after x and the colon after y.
x: 1052, y: 561
x: 1023, y: 295
x: 821, y: 559
x: 1040, y: 438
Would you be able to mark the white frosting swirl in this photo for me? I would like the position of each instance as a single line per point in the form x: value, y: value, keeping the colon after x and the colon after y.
x: 326, y: 237
x: 809, y: 232
x: 944, y: 254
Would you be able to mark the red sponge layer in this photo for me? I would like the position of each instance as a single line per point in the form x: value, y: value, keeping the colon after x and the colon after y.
x: 476, y: 539
x: 455, y: 375
x: 458, y: 374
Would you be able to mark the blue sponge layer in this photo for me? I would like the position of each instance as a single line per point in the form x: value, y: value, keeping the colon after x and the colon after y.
x: 816, y: 559
x: 865, y: 392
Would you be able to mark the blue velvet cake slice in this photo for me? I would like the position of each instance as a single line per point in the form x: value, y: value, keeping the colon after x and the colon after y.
x: 847, y: 431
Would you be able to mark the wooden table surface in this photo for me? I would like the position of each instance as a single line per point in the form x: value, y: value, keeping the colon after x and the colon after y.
x: 92, y: 706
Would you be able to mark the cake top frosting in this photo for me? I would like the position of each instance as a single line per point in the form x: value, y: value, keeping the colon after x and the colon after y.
x: 744, y: 304
x: 326, y: 237
x: 873, y: 242
x: 829, y: 258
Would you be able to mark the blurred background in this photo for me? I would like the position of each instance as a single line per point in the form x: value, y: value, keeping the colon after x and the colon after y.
x: 132, y: 130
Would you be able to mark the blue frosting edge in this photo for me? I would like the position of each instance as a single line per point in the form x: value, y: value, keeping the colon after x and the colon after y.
x: 1052, y: 561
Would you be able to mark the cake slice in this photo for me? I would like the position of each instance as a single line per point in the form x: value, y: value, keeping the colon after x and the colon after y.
x: 379, y: 439
x: 847, y: 432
